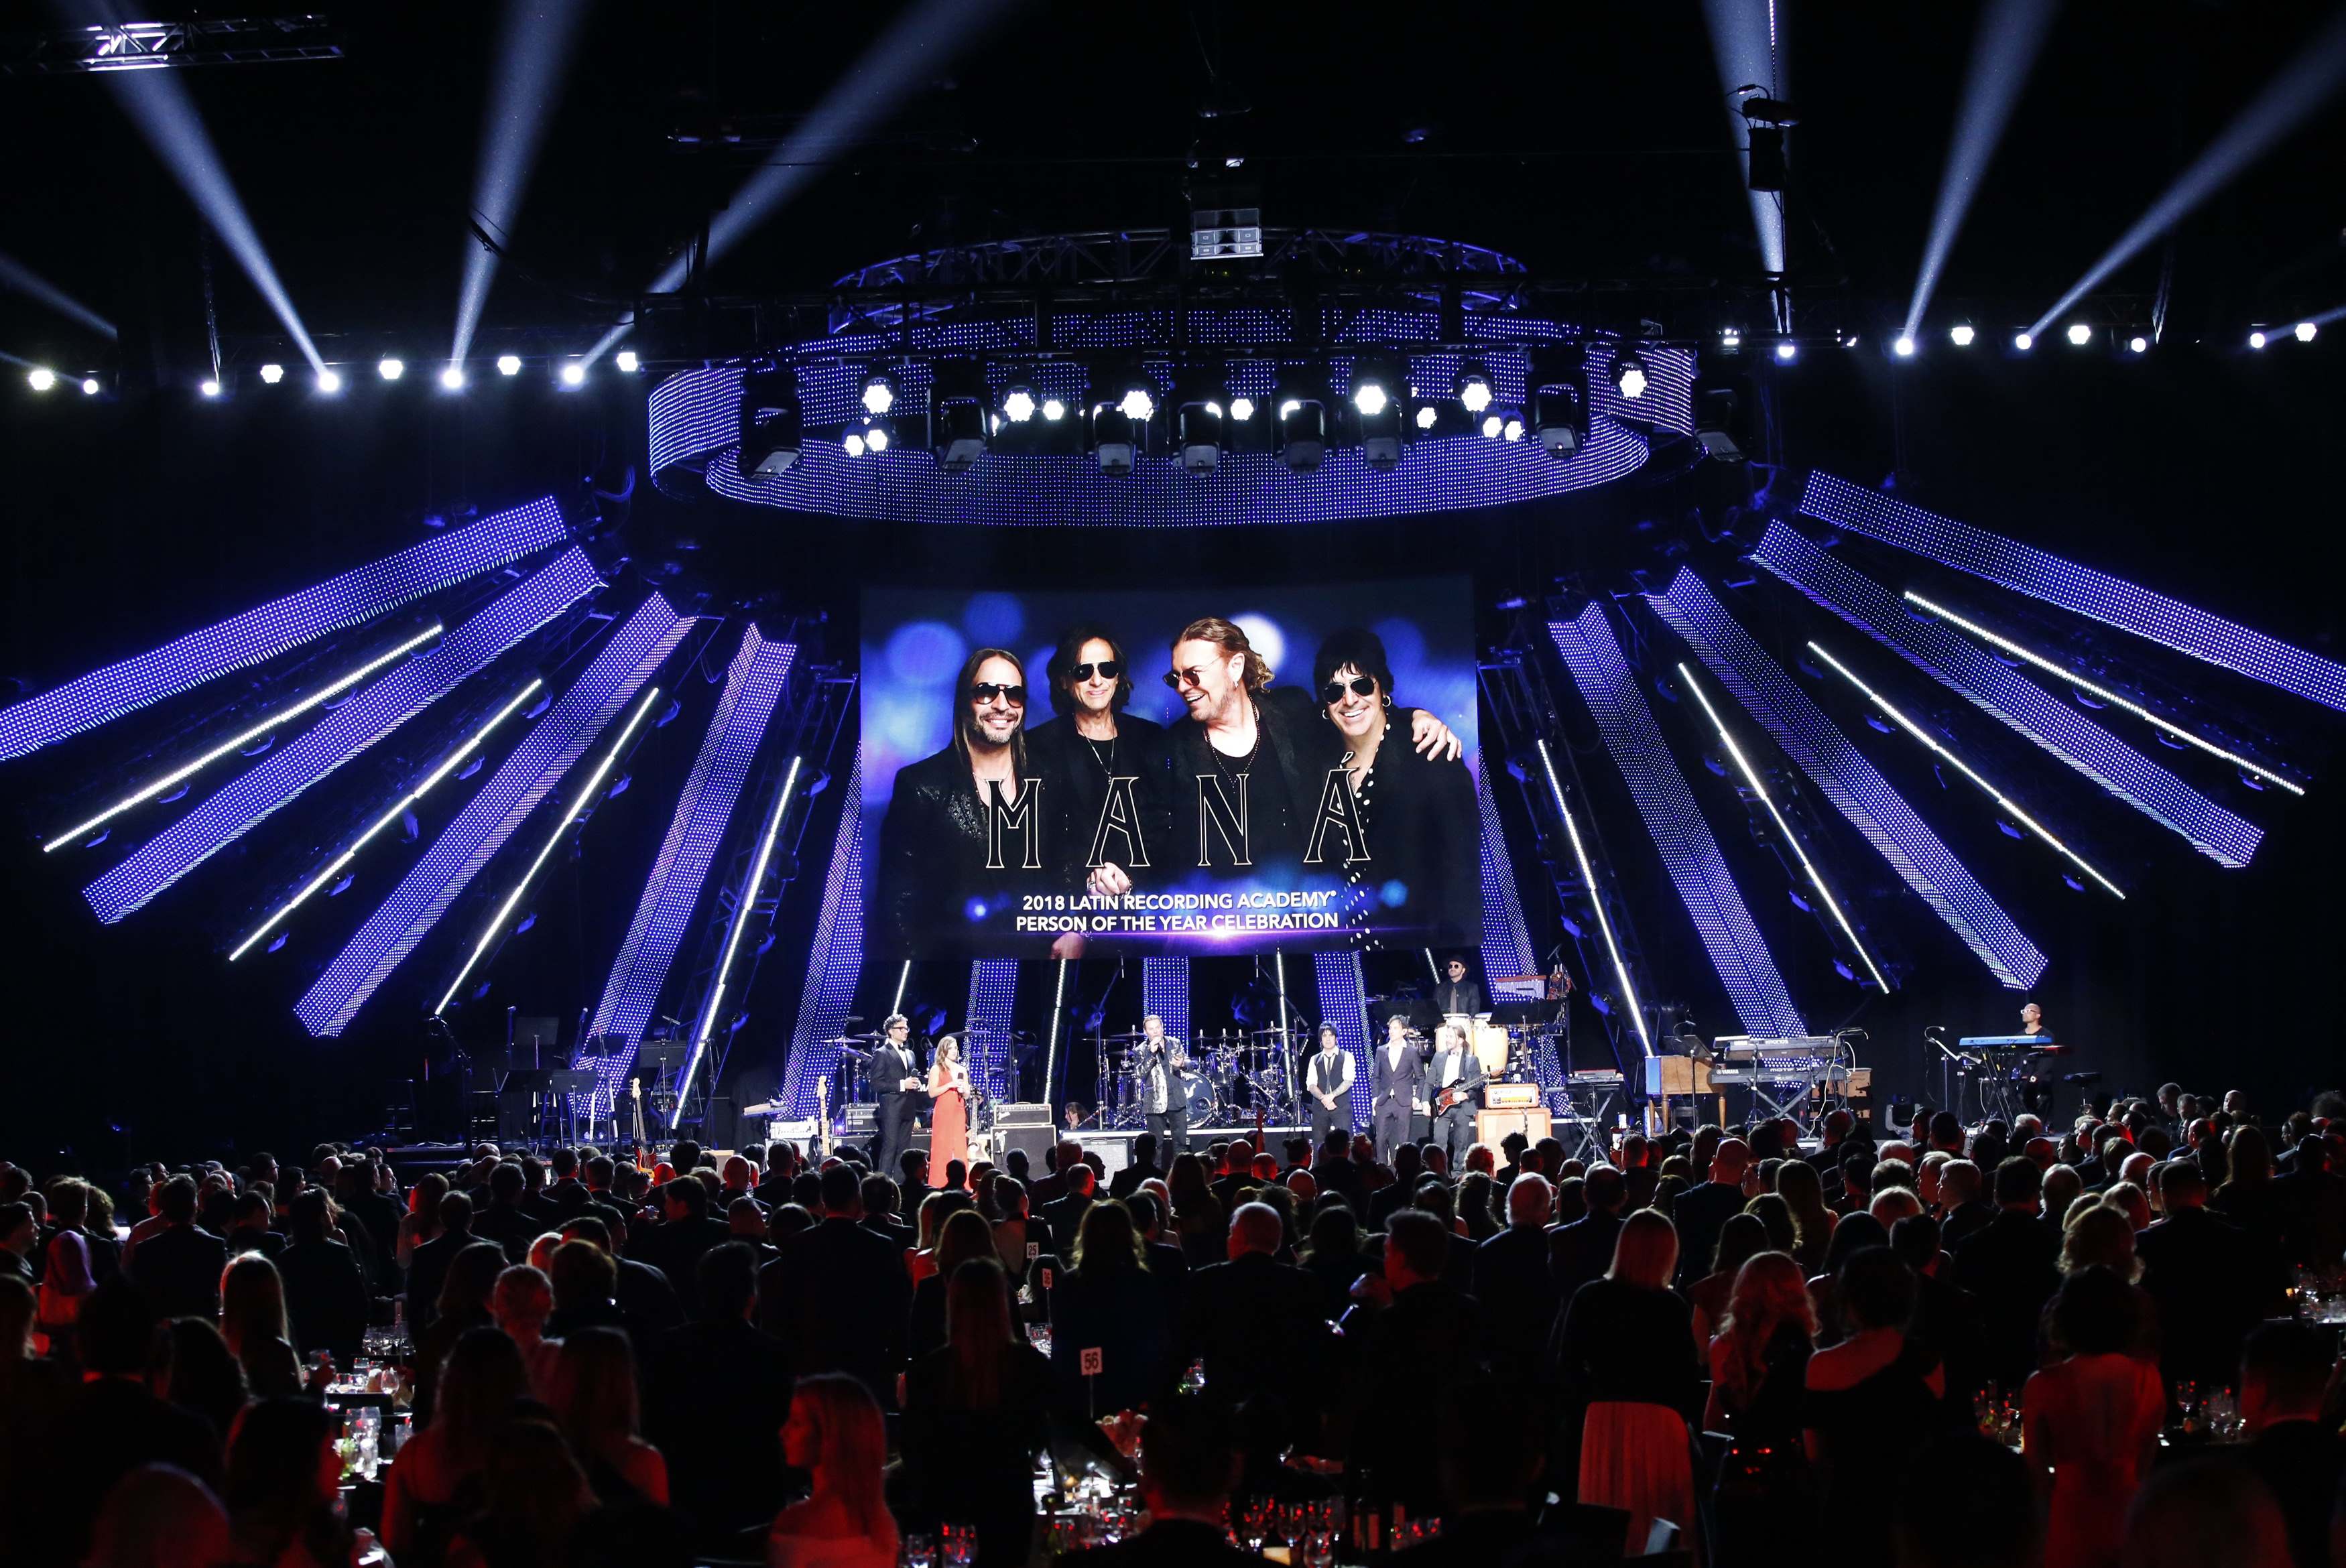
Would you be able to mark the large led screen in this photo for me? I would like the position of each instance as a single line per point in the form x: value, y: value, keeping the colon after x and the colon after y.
x: 1169, y: 770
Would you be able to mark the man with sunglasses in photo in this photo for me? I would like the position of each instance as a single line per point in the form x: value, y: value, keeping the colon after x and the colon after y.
x: 1092, y: 742
x: 1243, y: 729
x: 969, y: 829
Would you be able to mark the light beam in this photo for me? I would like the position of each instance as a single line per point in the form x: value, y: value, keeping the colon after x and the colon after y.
x: 16, y: 275
x: 1743, y: 46
x: 741, y: 908
x: 1595, y: 899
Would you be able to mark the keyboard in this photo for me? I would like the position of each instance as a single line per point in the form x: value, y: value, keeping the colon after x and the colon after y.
x: 2003, y: 1042
x: 1596, y: 1078
x: 1780, y: 1072
x: 1752, y: 1048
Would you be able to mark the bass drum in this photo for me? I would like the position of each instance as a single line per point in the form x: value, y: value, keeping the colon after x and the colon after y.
x: 1197, y: 1090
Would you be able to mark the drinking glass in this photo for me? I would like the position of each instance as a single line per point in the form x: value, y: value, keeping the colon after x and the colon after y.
x: 919, y: 1552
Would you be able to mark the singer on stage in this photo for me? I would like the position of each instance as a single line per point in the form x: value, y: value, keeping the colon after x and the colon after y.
x: 948, y: 1109
x: 1164, y: 1097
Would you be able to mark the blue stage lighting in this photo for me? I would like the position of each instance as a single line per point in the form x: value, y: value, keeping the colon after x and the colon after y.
x: 1852, y: 784
x: 370, y: 716
x: 630, y: 654
x: 40, y: 378
x: 270, y: 374
x: 452, y: 377
x: 1961, y: 334
x: 1903, y: 346
x: 626, y: 362
x: 508, y: 364
x: 390, y: 368
x: 1596, y: 898
x: 834, y: 961
x: 2081, y: 590
x: 1696, y: 868
x: 2080, y: 334
x: 744, y: 903
x: 2304, y: 331
x: 352, y: 599
x: 1743, y: 47
x: 573, y: 374
x: 2023, y: 341
x: 208, y: 387
x: 15, y: 275
x: 329, y: 381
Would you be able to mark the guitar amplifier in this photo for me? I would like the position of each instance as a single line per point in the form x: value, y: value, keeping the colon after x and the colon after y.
x: 1025, y: 1124
x: 1511, y: 1096
x: 1491, y: 1126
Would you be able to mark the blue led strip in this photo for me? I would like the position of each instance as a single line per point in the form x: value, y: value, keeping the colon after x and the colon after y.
x: 985, y: 1026
x: 835, y: 962
x: 629, y: 656
x: 1690, y: 853
x: 1980, y: 677
x: 1165, y: 990
x: 1343, y: 1001
x: 753, y: 685
x: 288, y: 772
x: 1856, y: 789
x: 261, y: 634
x: 2080, y: 590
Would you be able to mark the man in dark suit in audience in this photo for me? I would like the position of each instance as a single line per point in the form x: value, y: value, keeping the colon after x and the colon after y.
x: 839, y: 1297
x: 567, y: 1198
x: 2208, y: 1280
x: 720, y: 1391
x: 2312, y: 1199
x: 1259, y: 1324
x: 1701, y: 1211
x: 1429, y: 1339
x: 1143, y: 1166
x: 1513, y: 1283
x: 2284, y: 1373
x: 1333, y: 1170
x: 2010, y: 1266
x: 641, y: 1290
x: 178, y: 1267
x: 1061, y: 1158
x: 326, y: 1298
x: 428, y: 1268
x: 1187, y: 1473
x: 1582, y: 1250
x: 1408, y: 1164
x: 503, y: 1221
x: 674, y: 1246
x: 1064, y: 1216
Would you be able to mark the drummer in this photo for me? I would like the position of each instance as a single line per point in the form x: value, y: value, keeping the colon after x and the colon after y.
x: 1161, y: 1063
x: 1459, y: 997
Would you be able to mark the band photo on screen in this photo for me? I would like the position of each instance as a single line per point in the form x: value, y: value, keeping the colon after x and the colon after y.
x: 1161, y: 771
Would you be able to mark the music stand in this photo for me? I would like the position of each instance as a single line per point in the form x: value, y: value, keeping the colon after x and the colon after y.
x: 568, y: 1084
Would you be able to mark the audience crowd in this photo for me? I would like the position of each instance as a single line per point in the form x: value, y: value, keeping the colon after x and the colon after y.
x: 2003, y: 1344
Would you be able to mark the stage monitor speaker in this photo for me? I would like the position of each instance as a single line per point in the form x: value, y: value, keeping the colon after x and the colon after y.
x: 1023, y: 1126
x: 1492, y: 1126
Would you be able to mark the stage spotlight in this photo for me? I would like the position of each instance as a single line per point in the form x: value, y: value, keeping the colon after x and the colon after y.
x: 770, y: 423
x: 1903, y: 346
x: 1961, y: 334
x: 875, y: 436
x: 453, y: 378
x: 272, y: 374
x: 1428, y: 416
x: 389, y: 369
x: 1628, y: 372
x: 1717, y: 411
x: 626, y: 362
x: 1136, y: 405
x: 1302, y: 426
x: 2138, y: 345
x: 209, y: 389
x: 2023, y: 341
x: 957, y: 409
x: 1018, y: 403
x: 1787, y: 352
x: 2304, y: 331
x: 851, y: 443
x: 573, y: 374
x: 1200, y: 433
x: 1241, y: 409
x: 328, y: 382
x: 1053, y: 411
x: 1730, y: 339
x: 1513, y: 430
x: 879, y: 393
x: 40, y: 379
x: 2080, y: 334
x: 1492, y: 426
x: 89, y: 386
x: 1116, y: 438
x: 1376, y: 406
x: 508, y: 364
x: 1474, y: 387
x: 1555, y: 404
x: 2256, y: 339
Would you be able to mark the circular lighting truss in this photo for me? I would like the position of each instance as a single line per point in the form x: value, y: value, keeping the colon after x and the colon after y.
x: 1420, y: 339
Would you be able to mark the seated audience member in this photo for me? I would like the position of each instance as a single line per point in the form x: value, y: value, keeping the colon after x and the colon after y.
x: 1623, y: 1365
x: 2092, y: 1420
x: 1187, y: 1472
x: 2203, y: 1510
x: 281, y: 1492
x: 1876, y: 1379
x: 536, y: 1509
x: 202, y: 1376
x: 718, y: 1390
x: 252, y: 1320
x: 159, y: 1516
x: 466, y: 1291
x: 1966, y: 1502
x: 521, y: 1302
x: 974, y: 1414
x: 439, y: 1476
x: 2285, y: 1370
x: 835, y: 1433
x: 594, y: 1405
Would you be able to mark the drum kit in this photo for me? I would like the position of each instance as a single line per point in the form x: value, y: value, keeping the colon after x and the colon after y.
x: 1229, y: 1077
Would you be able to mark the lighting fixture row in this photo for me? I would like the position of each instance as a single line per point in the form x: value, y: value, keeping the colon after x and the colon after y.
x: 329, y: 380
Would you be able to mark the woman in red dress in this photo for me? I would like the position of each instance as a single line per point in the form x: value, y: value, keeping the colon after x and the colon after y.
x: 948, y: 1109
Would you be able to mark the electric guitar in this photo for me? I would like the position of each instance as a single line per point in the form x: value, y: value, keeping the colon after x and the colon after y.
x: 823, y: 1116
x: 636, y: 1093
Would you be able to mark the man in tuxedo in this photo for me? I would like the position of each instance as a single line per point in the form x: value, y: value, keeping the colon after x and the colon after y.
x: 837, y: 1296
x: 1429, y: 1340
x: 1457, y: 1075
x: 895, y: 1082
x: 1457, y: 994
x: 505, y: 1221
x: 674, y: 1246
x: 2209, y: 1280
x: 1328, y: 1077
x: 1333, y: 1170
x: 717, y: 1387
x: 1512, y: 1282
x: 1701, y: 1211
x: 178, y: 1267
x: 1397, y: 1081
x: 428, y: 1268
x: 1582, y: 1250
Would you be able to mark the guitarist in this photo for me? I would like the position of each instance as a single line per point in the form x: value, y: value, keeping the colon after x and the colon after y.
x: 1456, y: 1078
x: 1328, y: 1078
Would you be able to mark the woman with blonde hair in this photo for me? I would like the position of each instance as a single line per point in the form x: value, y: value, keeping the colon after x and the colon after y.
x: 521, y: 1303
x: 835, y: 1433
x: 1627, y: 1357
x: 253, y: 1322
x: 1759, y: 1364
x: 594, y: 1405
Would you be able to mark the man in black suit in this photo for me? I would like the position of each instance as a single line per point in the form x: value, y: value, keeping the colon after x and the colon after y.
x: 1582, y: 1250
x: 1701, y: 1211
x: 178, y: 1267
x: 642, y: 1291
x: 17, y: 1235
x: 504, y: 1221
x: 1187, y: 1472
x: 675, y: 1246
x: 1513, y: 1283
x: 326, y: 1298
x: 1144, y: 1166
x: 1457, y: 994
x: 567, y: 1198
x: 1333, y: 1170
x: 2010, y: 1266
x: 2312, y: 1199
x: 1259, y: 1325
x: 1429, y: 1340
x: 427, y: 1268
x: 1408, y: 1163
x: 2209, y: 1280
x: 1963, y: 1213
x: 2284, y: 1372
x: 896, y: 1084
x: 1396, y: 1082
x: 839, y: 1297
x: 1328, y: 1079
x: 1065, y: 1216
x: 719, y: 1389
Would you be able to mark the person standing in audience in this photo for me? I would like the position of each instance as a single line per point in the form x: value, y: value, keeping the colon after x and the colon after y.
x: 179, y: 1267
x: 1582, y: 1250
x: 964, y: 1235
x: 463, y: 1306
x: 1759, y: 1367
x: 835, y: 1433
x: 1418, y: 1333
x: 2207, y: 1280
x: 2285, y: 1371
x: 715, y: 1389
x: 1513, y: 1283
x: 1105, y: 1308
x: 252, y: 1320
x: 1875, y: 1381
x: 2091, y: 1421
x: 438, y: 1478
x: 595, y: 1404
x: 837, y: 1296
x: 521, y: 1302
x: 2009, y: 1267
x: 429, y: 1264
x: 326, y: 1295
x: 281, y: 1493
x: 976, y: 1409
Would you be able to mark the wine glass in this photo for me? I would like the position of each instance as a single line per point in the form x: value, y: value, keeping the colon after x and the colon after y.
x: 919, y: 1552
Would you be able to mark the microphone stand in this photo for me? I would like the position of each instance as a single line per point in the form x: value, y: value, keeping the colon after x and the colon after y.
x: 1951, y: 1064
